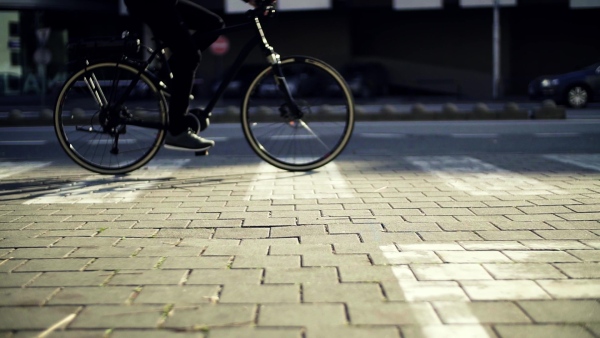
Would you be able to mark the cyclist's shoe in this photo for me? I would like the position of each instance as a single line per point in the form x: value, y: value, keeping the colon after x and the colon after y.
x: 188, y: 141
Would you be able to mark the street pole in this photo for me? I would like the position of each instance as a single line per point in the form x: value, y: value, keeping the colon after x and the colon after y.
x: 496, y: 50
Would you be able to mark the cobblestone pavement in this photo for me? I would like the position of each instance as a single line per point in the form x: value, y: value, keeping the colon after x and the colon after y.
x: 482, y: 246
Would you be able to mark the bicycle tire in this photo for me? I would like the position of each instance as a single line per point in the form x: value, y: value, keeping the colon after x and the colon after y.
x: 77, y: 118
x: 311, y: 141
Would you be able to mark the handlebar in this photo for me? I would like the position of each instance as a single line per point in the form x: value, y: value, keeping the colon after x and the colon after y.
x: 264, y: 8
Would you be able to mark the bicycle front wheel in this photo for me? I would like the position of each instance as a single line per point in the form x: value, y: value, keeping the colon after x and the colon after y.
x: 303, y: 133
x: 110, y: 118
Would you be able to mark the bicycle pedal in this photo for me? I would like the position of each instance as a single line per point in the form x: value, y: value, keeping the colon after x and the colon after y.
x: 202, y: 153
x: 203, y: 116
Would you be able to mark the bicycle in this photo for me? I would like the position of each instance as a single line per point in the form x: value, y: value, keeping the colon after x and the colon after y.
x: 111, y: 115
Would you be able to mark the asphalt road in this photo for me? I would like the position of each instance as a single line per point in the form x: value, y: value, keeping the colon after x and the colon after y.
x: 370, y: 138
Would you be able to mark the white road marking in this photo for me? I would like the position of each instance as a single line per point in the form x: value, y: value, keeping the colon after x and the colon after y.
x: 588, y: 161
x: 382, y: 135
x: 13, y: 168
x: 96, y: 189
x: 274, y: 183
x: 556, y: 135
x: 474, y: 135
x: 480, y: 178
x: 23, y: 143
x: 448, y: 291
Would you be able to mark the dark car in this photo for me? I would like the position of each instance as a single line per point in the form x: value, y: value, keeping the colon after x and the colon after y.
x: 575, y: 89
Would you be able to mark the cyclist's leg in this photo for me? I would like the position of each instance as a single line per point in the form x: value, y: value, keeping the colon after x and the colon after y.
x: 201, y: 20
x: 167, y: 25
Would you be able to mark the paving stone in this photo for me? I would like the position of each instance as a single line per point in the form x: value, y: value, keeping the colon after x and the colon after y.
x: 540, y: 256
x: 148, y: 277
x: 353, y: 332
x: 412, y: 257
x: 137, y: 233
x: 33, y: 317
x: 89, y: 252
x: 586, y: 255
x: 208, y: 316
x: 302, y: 315
x: 512, y: 225
x: 566, y: 234
x: 297, y: 231
x: 58, y: 264
x: 225, y: 276
x: 574, y: 288
x: 233, y: 332
x: 235, y: 250
x: 423, y: 291
x: 312, y: 259
x: 562, y: 311
x: 329, y: 239
x: 392, y: 313
x: 472, y: 256
x: 130, y: 263
x: 25, y: 297
x: 503, y: 290
x: 516, y: 235
x: 81, y: 242
x: 157, y: 251
x: 95, y: 295
x: 203, y: 262
x: 29, y: 242
x: 71, y: 278
x: 31, y: 253
x: 546, y: 331
x: 305, y: 275
x: 141, y: 333
x: 11, y: 280
x: 263, y: 294
x: 278, y: 249
x: 480, y: 313
x: 117, y: 316
x: 580, y: 270
x: 491, y: 245
x: 224, y: 223
x: 265, y: 261
x: 554, y: 245
x: 524, y: 271
x: 447, y: 331
x: 450, y: 236
x: 344, y: 292
x: 450, y: 272
x: 173, y: 294
x: 430, y: 246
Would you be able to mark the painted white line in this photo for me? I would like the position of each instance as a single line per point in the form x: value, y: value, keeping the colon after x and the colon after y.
x: 474, y: 135
x: 274, y: 183
x: 479, y: 178
x: 382, y: 135
x: 13, y: 168
x: 95, y: 189
x: 556, y: 135
x: 440, y: 292
x: 23, y: 143
x: 588, y: 161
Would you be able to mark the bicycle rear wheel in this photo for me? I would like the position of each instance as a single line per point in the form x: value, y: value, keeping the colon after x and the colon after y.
x: 109, y: 119
x: 305, y: 138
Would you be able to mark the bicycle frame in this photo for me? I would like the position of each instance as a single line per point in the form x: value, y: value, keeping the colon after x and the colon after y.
x: 258, y: 39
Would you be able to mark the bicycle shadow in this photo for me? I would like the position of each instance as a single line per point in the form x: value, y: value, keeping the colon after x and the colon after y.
x: 74, y: 189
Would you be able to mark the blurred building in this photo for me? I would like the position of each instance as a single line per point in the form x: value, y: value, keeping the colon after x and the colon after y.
x: 424, y: 47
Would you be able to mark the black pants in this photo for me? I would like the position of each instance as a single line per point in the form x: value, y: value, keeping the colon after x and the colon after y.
x: 171, y: 22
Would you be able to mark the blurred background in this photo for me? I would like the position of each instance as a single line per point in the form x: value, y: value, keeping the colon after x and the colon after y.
x: 385, y: 48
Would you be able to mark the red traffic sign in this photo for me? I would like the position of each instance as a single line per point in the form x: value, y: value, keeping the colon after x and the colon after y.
x: 220, y: 46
